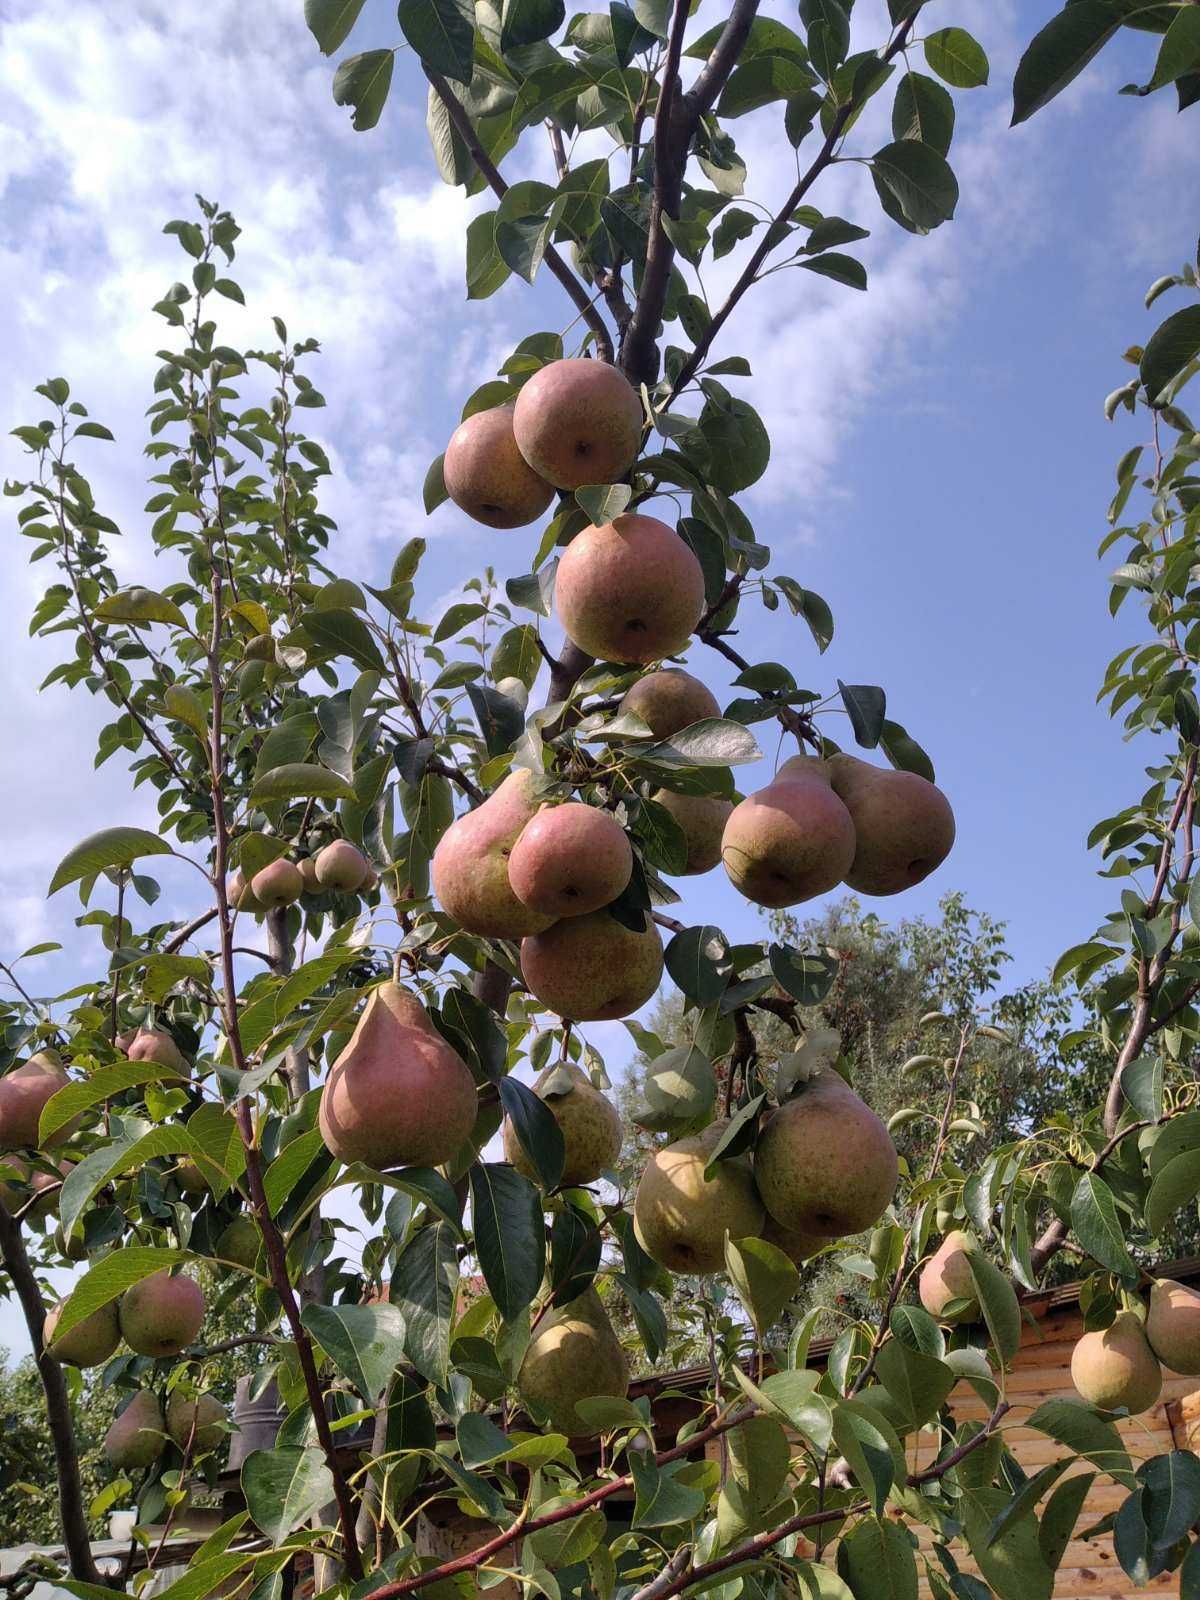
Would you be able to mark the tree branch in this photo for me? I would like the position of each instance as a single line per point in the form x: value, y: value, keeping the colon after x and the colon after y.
x: 465, y: 129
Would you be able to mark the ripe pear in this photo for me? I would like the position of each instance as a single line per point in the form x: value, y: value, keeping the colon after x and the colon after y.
x: 279, y: 884
x: 593, y: 968
x: 569, y: 860
x: 342, y: 867
x: 240, y: 1242
x: 669, y: 700
x: 629, y: 591
x: 202, y: 1420
x: 824, y: 1163
x: 946, y: 1277
x: 24, y: 1093
x: 136, y: 1437
x: 89, y: 1343
x: 578, y: 422
x: 240, y: 896
x: 681, y: 1218
x: 903, y: 825
x: 308, y: 871
x: 790, y: 841
x: 487, y: 476
x: 573, y: 1355
x: 591, y: 1127
x: 470, y: 865
x: 1116, y: 1367
x: 703, y: 819
x: 398, y: 1094
x: 156, y: 1044
x: 1173, y: 1326
x: 161, y: 1315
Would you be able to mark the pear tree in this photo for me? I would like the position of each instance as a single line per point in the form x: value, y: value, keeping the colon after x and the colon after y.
x: 410, y: 862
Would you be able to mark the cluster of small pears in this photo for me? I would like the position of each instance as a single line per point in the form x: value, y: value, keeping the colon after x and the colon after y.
x: 338, y: 868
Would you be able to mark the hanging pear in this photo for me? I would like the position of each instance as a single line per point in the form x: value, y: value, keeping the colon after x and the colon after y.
x: 573, y: 1355
x: 470, y: 865
x: 590, y: 1125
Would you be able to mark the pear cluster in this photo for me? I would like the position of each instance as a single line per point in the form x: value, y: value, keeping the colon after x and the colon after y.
x: 193, y: 1423
x: 1121, y: 1366
x: 337, y: 868
x: 819, y: 823
x: 823, y: 1167
x: 159, y: 1316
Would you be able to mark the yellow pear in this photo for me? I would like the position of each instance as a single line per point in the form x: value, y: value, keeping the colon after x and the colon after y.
x: 487, y: 476
x: 824, y: 1163
x: 573, y: 1355
x: 398, y: 1094
x: 669, y: 700
x: 681, y: 1217
x: 136, y: 1437
x: 1173, y: 1326
x: 591, y: 1127
x: 903, y: 825
x: 341, y: 867
x: 569, y: 860
x: 577, y: 422
x: 946, y: 1277
x: 790, y: 841
x: 470, y: 864
x: 593, y: 968
x: 1115, y: 1366
x: 630, y: 590
x: 703, y: 819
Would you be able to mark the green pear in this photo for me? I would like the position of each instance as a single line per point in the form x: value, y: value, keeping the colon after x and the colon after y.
x: 89, y: 1343
x: 240, y: 1242
x: 824, y: 1162
x: 200, y: 1419
x: 578, y: 422
x: 591, y: 1127
x: 397, y: 1095
x: 630, y: 590
x: 24, y: 1094
x: 470, y: 865
x: 903, y: 825
x: 946, y: 1277
x: 341, y: 867
x: 570, y: 859
x: 573, y: 1355
x: 190, y: 1178
x: 487, y: 476
x: 703, y: 819
x: 136, y: 1437
x: 44, y: 1186
x: 792, y: 840
x: 681, y: 1217
x: 669, y: 700
x: 281, y: 883
x: 1173, y: 1326
x: 161, y: 1315
x: 157, y: 1045
x: 593, y: 968
x: 1115, y: 1366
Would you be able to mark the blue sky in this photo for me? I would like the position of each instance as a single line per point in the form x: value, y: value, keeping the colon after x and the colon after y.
x: 941, y: 465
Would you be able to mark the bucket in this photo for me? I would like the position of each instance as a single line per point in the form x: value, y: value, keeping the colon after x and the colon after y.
x: 256, y: 1422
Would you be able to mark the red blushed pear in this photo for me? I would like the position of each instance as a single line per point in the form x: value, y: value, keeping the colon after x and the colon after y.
x: 161, y: 1315
x: 24, y: 1093
x: 669, y: 700
x: 487, y: 476
x: 569, y: 860
x: 790, y: 841
x: 281, y: 883
x: 470, y: 865
x: 903, y: 825
x: 629, y: 591
x: 577, y: 422
x: 398, y: 1094
x: 593, y: 968
x: 341, y: 867
x: 156, y: 1044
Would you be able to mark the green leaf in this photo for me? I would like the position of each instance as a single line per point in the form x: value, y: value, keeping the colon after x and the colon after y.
x: 919, y: 180
x: 917, y: 1382
x: 140, y: 608
x: 843, y: 269
x: 363, y: 82
x: 111, y: 847
x: 764, y: 1278
x: 92, y: 430
x: 1059, y: 53
x: 536, y: 1128
x: 601, y: 502
x: 501, y: 720
x: 679, y: 1089
x: 110, y: 1278
x: 340, y: 632
x: 738, y: 445
x: 923, y: 110
x: 807, y: 977
x: 284, y: 1488
x: 510, y: 1235
x: 524, y: 220
x: 1170, y: 1496
x: 738, y: 1136
x: 1014, y: 1566
x: 457, y: 618
x: 299, y: 780
x: 998, y: 1299
x: 1060, y: 1516
x: 1170, y: 348
x: 1179, y: 52
x: 1175, y: 1186
x: 423, y: 1290
x: 1077, y: 1426
x: 330, y: 21
x: 486, y: 271
x: 698, y: 962
x: 1096, y: 1225
x: 711, y: 742
x: 661, y: 1498
x: 877, y: 1560
x: 868, y: 1451
x: 956, y: 58
x: 1025, y: 1500
x: 442, y: 32
x: 290, y: 1165
x: 365, y: 1343
x: 866, y: 705
x: 529, y: 22
x: 185, y: 706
